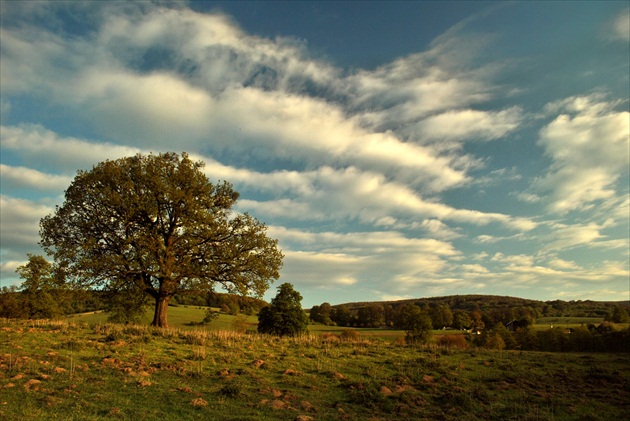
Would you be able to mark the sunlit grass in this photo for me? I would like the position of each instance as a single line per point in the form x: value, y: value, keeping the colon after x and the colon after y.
x: 81, y: 370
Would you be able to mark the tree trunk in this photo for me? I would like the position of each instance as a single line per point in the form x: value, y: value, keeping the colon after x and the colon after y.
x: 161, y: 308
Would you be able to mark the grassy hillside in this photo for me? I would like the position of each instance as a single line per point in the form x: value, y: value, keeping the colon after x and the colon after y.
x: 184, y: 317
x: 61, y: 370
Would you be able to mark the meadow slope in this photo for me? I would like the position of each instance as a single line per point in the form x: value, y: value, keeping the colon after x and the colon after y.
x: 68, y: 370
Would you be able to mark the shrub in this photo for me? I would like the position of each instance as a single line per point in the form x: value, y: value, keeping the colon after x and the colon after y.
x: 453, y: 341
x: 350, y: 335
x: 209, y: 316
x: 329, y: 337
x: 239, y: 324
x: 230, y: 390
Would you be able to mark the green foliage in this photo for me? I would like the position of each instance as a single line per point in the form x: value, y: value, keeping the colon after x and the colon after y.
x: 157, y: 224
x: 492, y: 340
x: 209, y: 316
x: 484, y: 310
x: 12, y: 303
x: 508, y: 340
x: 43, y: 288
x: 350, y: 335
x: 617, y: 314
x: 230, y: 390
x: 371, y: 315
x: 462, y: 320
x: 125, y: 304
x: 441, y: 316
x: 285, y: 315
x: 240, y: 324
x: 416, y: 323
x: 321, y: 314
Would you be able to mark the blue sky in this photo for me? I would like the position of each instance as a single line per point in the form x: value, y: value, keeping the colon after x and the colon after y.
x: 396, y: 150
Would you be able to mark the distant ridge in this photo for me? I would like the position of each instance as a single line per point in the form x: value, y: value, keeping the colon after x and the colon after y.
x: 483, y: 302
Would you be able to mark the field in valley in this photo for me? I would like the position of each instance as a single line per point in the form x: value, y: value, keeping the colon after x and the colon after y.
x: 85, y: 369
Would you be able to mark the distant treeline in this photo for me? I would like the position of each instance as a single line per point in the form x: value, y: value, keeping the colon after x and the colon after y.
x: 467, y: 311
x: 602, y: 337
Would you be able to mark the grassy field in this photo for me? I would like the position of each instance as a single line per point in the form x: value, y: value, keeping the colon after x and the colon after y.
x: 75, y: 370
x: 187, y: 317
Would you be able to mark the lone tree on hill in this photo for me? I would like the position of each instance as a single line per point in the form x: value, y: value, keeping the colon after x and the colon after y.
x: 155, y: 224
x: 285, y: 315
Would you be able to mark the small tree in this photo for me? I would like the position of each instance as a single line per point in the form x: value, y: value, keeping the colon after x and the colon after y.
x: 239, y: 324
x: 415, y: 322
x: 284, y: 316
x: 441, y: 316
x: 461, y: 320
x: 41, y: 288
x: 209, y: 316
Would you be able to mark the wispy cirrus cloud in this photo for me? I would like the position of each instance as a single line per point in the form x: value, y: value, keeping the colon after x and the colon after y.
x: 398, y: 180
x: 589, y: 145
x: 22, y: 177
x: 146, y: 78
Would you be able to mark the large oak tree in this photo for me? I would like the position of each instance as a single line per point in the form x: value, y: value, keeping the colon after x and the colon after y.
x: 154, y: 224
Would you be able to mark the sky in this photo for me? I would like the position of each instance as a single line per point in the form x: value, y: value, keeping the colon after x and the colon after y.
x: 395, y: 149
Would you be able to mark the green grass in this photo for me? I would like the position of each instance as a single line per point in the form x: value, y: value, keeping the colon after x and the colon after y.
x: 182, y: 317
x: 187, y: 317
x: 62, y: 370
x: 571, y: 321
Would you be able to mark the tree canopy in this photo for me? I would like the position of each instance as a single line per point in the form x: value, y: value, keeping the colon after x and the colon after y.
x: 42, y: 290
x: 285, y: 315
x: 154, y: 224
x: 417, y: 324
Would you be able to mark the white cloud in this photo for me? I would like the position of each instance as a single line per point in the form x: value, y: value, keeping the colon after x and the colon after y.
x: 469, y: 124
x: 588, y: 144
x: 19, y: 233
x: 223, y: 90
x: 44, y: 147
x: 565, y: 236
x: 484, y: 238
x: 351, y: 193
x: 331, y: 258
x: 157, y: 107
x: 472, y: 269
x: 22, y: 177
x: 561, y: 264
x: 513, y: 261
x: 621, y: 27
x: 439, y: 229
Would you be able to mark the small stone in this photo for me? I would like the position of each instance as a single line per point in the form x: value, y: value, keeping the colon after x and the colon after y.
x: 199, y: 402
x: 277, y: 404
x: 386, y: 391
x: 32, y: 384
x: 307, y: 406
